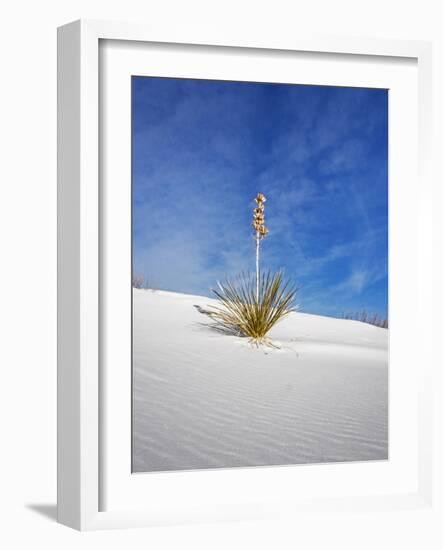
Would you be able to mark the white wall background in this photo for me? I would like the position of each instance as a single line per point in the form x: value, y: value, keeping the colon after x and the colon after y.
x: 28, y: 272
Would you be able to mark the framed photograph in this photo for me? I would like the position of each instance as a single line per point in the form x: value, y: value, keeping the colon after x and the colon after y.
x: 243, y: 255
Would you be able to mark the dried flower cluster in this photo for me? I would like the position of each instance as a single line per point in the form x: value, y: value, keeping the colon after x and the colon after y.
x: 258, y: 222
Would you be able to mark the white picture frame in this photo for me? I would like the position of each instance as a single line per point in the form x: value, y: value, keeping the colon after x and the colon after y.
x: 82, y: 440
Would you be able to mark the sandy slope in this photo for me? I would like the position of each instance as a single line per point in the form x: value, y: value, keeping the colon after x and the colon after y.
x: 207, y: 400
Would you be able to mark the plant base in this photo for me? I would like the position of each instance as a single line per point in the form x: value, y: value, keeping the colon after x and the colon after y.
x: 263, y: 342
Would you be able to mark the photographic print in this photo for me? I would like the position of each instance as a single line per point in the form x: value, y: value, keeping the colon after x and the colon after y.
x: 259, y: 274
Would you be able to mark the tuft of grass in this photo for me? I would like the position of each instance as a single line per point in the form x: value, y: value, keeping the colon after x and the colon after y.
x: 138, y: 281
x: 243, y: 312
x: 371, y: 319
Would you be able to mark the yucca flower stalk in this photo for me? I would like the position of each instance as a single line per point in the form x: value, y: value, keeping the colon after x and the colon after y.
x: 258, y: 223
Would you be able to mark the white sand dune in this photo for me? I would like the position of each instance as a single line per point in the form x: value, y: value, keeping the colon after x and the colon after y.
x: 202, y: 399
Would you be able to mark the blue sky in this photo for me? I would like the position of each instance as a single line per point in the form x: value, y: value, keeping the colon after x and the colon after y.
x: 203, y: 149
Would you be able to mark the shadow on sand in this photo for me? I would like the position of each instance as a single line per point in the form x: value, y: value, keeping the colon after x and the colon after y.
x: 216, y: 326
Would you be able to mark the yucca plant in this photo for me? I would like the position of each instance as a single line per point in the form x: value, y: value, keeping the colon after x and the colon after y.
x: 241, y: 313
x: 251, y: 305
